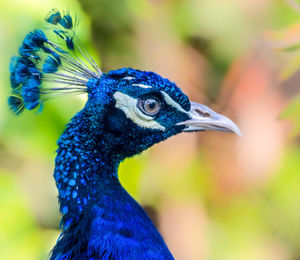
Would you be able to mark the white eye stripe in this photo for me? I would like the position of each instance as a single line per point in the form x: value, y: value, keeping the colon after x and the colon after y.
x: 170, y: 101
x: 128, y: 78
x: 142, y: 85
x: 129, y: 106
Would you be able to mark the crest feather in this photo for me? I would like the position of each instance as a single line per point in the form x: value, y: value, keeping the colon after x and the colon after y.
x: 43, y: 62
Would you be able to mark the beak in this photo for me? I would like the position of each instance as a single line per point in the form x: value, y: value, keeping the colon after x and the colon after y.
x: 203, y: 118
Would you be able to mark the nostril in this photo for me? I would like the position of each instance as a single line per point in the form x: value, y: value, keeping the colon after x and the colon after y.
x: 203, y: 114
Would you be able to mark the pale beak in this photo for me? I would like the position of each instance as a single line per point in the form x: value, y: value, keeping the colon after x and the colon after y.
x: 203, y: 118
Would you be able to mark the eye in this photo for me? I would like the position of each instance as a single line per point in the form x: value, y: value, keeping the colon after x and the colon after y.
x: 149, y: 106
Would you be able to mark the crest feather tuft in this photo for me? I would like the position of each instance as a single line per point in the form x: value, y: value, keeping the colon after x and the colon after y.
x: 43, y: 62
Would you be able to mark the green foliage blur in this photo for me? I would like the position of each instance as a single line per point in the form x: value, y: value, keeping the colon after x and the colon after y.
x: 214, y: 196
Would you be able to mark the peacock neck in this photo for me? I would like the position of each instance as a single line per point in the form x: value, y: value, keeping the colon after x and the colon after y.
x: 84, y: 167
x: 99, y: 217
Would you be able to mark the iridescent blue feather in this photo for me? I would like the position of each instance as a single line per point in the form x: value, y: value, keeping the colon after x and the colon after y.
x: 53, y: 17
x: 54, y: 57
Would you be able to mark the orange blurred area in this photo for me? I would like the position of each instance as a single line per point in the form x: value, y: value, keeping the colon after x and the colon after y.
x: 213, y: 196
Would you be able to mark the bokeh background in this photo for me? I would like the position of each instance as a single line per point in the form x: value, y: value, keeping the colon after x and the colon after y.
x: 214, y: 196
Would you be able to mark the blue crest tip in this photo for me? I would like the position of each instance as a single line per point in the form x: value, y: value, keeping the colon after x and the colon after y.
x: 30, y: 93
x: 66, y: 21
x: 43, y: 61
x: 53, y: 17
x: 70, y: 43
x: 16, y: 104
x: 20, y: 68
x: 51, y: 65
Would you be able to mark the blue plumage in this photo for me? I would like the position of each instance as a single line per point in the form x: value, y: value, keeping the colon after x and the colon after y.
x: 51, y: 65
x: 66, y: 21
x: 16, y: 104
x: 53, y: 17
x: 127, y: 112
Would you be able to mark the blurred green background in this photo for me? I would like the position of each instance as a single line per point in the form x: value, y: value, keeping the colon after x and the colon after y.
x: 214, y: 196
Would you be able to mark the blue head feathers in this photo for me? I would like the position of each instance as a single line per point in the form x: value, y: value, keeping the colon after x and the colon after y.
x: 142, y: 108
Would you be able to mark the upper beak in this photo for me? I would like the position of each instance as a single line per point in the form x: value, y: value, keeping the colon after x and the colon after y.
x: 204, y: 118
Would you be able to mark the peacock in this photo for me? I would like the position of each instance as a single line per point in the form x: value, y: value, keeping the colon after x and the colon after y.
x: 127, y: 111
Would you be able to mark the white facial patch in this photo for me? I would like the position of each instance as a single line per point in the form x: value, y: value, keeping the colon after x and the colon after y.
x: 173, y: 103
x: 129, y: 106
x: 142, y: 86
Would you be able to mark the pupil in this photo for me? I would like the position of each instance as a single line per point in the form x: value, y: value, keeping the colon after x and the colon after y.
x: 151, y: 104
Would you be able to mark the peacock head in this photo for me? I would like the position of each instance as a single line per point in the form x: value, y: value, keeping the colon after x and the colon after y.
x: 135, y: 109
x: 143, y: 108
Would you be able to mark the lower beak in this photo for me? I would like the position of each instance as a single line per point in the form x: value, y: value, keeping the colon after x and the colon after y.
x: 203, y: 118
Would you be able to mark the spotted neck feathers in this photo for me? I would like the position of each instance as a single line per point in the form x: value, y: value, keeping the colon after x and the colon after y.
x: 82, y: 162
